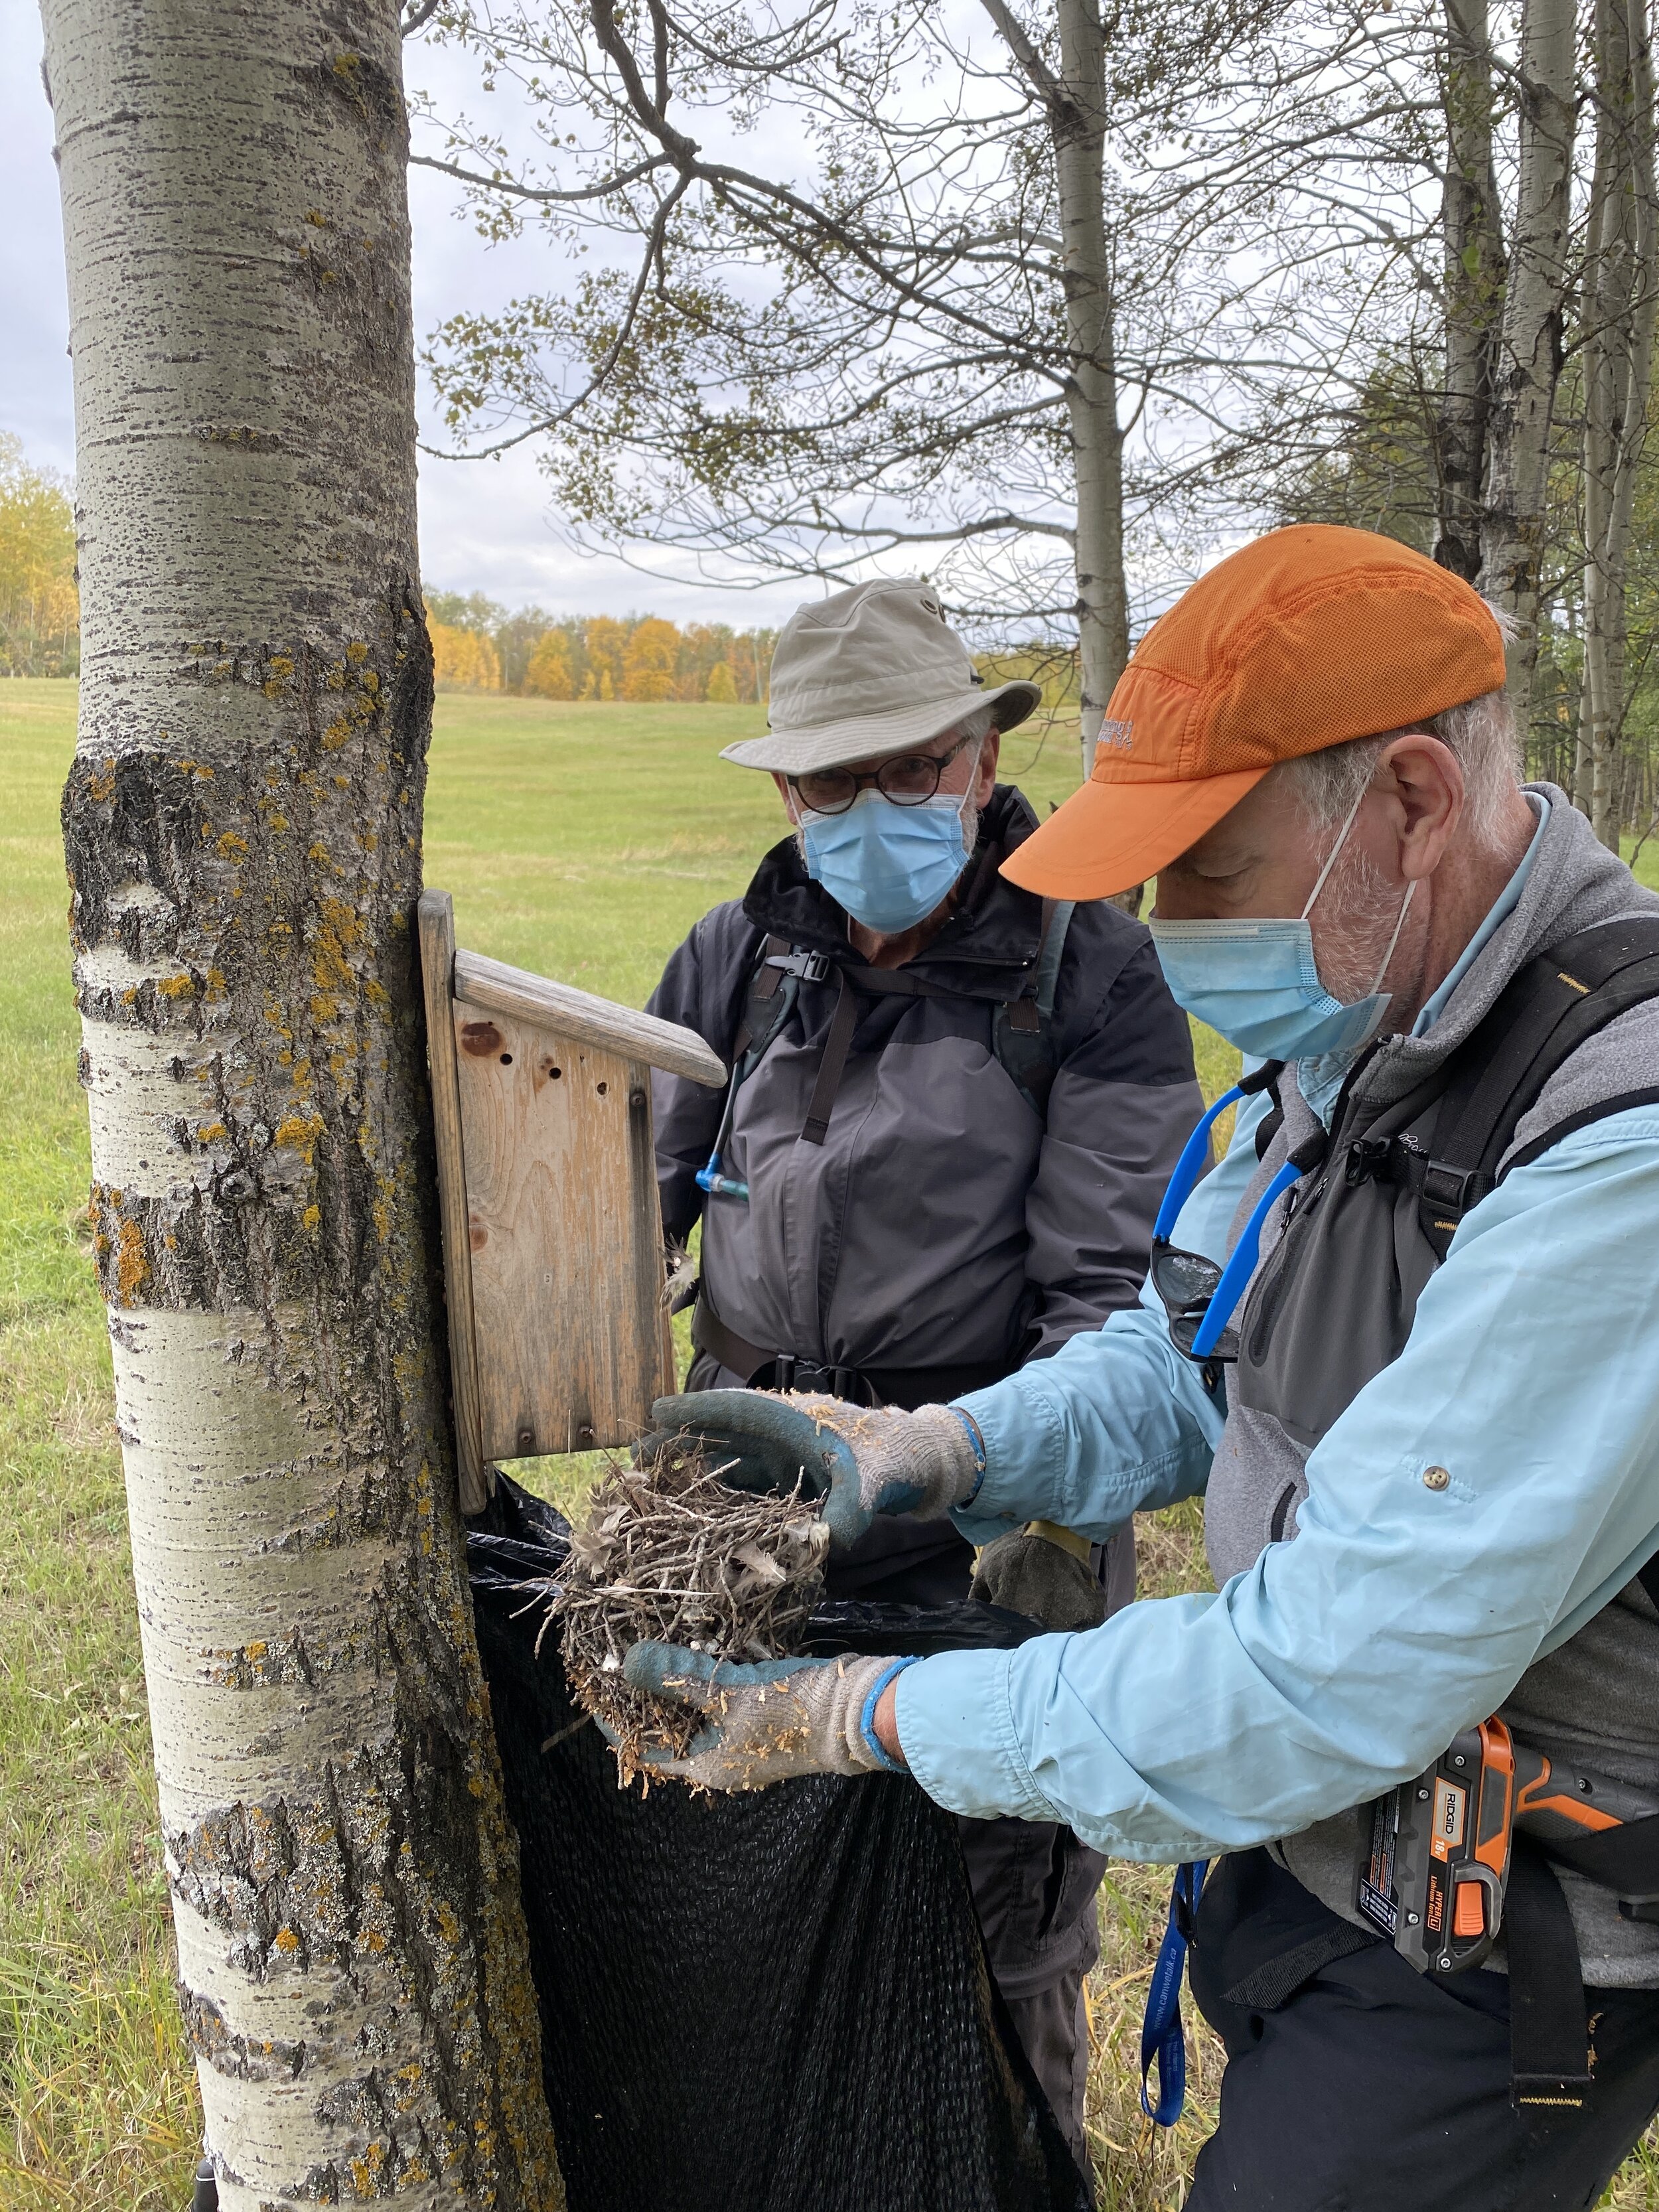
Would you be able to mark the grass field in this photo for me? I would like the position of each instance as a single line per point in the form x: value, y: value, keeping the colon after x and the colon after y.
x: 621, y: 830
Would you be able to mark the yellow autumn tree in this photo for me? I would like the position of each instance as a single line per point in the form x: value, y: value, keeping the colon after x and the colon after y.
x: 461, y: 660
x: 548, y: 675
x: 649, y: 661
x: 605, y: 641
x: 722, y: 685
x: 40, y: 607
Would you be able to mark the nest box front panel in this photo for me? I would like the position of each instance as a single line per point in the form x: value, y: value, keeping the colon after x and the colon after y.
x: 565, y: 1234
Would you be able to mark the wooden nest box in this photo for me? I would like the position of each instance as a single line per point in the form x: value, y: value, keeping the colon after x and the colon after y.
x: 547, y: 1188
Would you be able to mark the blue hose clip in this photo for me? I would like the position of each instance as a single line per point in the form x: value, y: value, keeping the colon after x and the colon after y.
x: 717, y: 1184
x: 1161, y: 2035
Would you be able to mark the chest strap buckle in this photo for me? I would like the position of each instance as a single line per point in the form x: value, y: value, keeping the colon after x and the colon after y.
x: 810, y: 967
x: 1369, y: 1160
x: 1454, y: 1189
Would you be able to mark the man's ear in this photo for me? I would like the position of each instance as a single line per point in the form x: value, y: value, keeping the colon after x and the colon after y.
x: 985, y: 781
x: 1424, y: 784
x: 785, y: 795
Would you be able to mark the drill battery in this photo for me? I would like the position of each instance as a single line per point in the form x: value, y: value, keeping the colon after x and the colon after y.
x: 1438, y: 1866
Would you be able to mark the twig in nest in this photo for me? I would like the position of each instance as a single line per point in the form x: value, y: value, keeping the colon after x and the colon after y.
x: 670, y: 1551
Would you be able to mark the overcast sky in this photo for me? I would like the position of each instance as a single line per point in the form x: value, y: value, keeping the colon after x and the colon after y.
x: 485, y: 527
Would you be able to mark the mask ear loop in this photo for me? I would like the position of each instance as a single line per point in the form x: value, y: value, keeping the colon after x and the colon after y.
x: 1330, y: 859
x: 1330, y: 862
x: 1405, y: 908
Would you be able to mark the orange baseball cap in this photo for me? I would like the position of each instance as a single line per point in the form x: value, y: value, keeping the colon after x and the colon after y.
x: 1304, y: 639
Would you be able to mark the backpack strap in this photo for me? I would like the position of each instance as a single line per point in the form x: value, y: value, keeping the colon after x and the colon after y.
x: 1023, y: 1031
x: 1561, y: 998
x: 1266, y: 1077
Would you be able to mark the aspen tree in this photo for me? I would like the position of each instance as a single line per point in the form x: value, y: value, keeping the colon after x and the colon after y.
x: 243, y: 830
x: 1515, y: 511
x: 1621, y: 278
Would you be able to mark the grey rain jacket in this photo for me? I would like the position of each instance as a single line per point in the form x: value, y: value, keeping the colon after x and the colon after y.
x: 940, y: 1222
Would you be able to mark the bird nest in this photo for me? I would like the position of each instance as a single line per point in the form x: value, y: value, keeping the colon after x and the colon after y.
x: 670, y: 1551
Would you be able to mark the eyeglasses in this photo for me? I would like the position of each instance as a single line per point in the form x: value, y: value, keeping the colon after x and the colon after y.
x: 1199, y: 1293
x: 909, y: 780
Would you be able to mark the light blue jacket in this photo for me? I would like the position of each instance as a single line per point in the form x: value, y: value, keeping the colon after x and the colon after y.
x: 1340, y: 1663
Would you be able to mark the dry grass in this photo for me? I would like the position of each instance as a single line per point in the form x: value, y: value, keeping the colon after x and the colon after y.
x: 1139, y: 2168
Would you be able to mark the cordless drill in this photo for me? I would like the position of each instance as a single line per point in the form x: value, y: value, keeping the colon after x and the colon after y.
x: 1439, y: 1860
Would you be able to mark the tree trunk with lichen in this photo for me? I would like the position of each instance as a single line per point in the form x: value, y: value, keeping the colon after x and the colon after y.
x: 243, y: 826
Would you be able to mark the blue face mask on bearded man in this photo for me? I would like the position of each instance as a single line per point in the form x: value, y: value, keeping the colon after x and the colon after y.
x: 1256, y: 982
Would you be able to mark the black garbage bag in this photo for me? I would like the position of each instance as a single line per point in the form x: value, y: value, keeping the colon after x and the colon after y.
x: 769, y: 2003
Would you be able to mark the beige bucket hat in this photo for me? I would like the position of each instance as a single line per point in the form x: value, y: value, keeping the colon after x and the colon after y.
x: 870, y: 671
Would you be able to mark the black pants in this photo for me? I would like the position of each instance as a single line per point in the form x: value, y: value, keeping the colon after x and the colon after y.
x: 1034, y: 1888
x: 1373, y: 2088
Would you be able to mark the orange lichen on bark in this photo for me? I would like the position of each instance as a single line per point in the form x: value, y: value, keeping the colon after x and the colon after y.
x: 299, y: 1133
x: 131, y: 1261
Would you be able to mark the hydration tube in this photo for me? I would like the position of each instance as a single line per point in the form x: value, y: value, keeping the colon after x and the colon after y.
x: 717, y: 1184
x: 713, y: 1178
x: 1163, y: 2041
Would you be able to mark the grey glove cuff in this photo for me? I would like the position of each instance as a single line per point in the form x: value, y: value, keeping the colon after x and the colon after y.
x: 853, y: 1687
x: 922, y: 1462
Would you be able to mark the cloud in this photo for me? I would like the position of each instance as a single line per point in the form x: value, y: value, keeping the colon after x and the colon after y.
x: 485, y: 525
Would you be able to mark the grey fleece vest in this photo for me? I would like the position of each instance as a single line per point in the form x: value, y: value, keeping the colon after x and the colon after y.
x: 1595, y: 1699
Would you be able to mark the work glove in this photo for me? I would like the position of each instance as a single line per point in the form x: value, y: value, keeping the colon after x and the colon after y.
x: 860, y: 1460
x: 1033, y: 1572
x: 766, y: 1722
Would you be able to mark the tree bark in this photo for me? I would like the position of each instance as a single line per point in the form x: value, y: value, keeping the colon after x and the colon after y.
x: 1528, y: 365
x: 1621, y: 271
x: 1080, y: 131
x: 243, y: 830
x: 1472, y: 228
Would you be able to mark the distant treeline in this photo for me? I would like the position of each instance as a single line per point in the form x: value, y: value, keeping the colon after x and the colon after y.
x: 478, y: 646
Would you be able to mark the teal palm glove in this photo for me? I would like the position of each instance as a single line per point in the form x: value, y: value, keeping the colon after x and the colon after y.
x: 860, y: 1460
x: 769, y: 1723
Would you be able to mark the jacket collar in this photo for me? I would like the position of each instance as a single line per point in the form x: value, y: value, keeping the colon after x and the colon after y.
x: 996, y: 930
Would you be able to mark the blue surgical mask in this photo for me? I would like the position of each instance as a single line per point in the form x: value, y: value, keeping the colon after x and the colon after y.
x: 1256, y: 982
x: 888, y: 866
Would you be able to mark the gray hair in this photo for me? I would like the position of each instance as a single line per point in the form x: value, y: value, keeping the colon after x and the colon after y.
x: 1480, y: 735
x: 978, y: 724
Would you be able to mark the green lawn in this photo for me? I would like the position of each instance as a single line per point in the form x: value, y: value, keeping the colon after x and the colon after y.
x: 580, y: 841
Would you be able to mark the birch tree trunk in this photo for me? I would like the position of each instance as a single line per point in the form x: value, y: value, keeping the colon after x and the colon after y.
x: 1079, y: 132
x: 243, y: 830
x: 1621, y: 271
x: 1471, y: 227
x: 1529, y: 364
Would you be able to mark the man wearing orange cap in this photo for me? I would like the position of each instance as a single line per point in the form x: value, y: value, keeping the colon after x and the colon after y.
x: 1400, y: 1338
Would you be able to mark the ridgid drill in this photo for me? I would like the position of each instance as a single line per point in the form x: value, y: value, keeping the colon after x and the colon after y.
x: 1439, y: 1861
